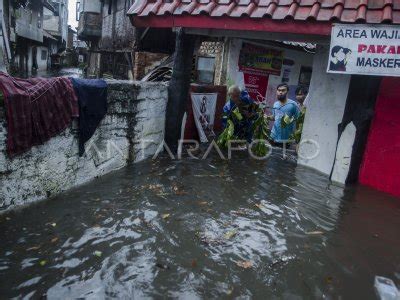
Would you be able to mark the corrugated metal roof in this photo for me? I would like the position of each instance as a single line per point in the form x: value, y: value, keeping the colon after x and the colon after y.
x: 347, y: 11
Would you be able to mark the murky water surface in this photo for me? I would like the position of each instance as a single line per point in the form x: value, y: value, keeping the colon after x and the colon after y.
x: 196, y: 229
x: 64, y: 72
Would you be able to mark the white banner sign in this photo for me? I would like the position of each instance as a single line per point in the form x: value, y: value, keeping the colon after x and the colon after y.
x: 204, y: 106
x: 365, y: 49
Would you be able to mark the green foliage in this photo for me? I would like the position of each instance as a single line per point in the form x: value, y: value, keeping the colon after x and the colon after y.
x: 296, y: 135
x: 237, y: 115
x: 286, y: 120
x: 229, y: 132
x: 227, y: 135
x: 261, y: 132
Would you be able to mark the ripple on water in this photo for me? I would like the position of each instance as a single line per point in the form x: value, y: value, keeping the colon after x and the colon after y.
x: 196, y: 229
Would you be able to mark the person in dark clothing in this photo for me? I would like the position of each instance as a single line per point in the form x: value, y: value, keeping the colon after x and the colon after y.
x: 246, y: 106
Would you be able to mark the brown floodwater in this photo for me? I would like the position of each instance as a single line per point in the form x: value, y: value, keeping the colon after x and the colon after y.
x: 200, y: 229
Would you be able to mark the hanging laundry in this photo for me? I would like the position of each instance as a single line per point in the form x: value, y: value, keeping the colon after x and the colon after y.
x: 37, y: 109
x: 92, y: 99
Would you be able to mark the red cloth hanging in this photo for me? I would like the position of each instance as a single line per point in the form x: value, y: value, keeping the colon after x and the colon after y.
x: 37, y: 109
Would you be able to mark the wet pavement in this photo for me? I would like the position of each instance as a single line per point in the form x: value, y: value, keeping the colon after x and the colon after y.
x: 199, y: 229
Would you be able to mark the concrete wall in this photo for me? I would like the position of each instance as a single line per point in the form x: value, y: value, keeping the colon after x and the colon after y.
x: 136, y: 112
x: 344, y: 151
x: 50, y: 21
x: 42, y: 63
x: 91, y: 6
x: 64, y: 20
x: 325, y: 108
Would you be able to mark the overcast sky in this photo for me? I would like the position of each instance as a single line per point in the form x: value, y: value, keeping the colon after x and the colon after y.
x: 72, y: 14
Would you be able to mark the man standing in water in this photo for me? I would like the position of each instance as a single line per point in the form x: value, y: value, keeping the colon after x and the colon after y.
x: 284, y: 114
x: 301, y: 94
x: 241, y: 100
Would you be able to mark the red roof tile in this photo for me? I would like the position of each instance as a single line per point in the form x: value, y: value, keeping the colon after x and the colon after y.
x: 304, y: 17
x: 349, y: 11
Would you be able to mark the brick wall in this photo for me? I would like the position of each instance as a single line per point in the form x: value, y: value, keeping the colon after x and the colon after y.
x: 145, y: 62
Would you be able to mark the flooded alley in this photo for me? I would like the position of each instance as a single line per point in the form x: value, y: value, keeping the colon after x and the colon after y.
x: 203, y: 229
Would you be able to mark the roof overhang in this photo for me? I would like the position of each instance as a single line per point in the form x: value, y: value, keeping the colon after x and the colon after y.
x: 48, y: 5
x: 240, y: 26
x: 306, y: 17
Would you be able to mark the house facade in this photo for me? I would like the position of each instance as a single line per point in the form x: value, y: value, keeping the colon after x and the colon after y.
x: 340, y: 130
x: 116, y: 48
x: 32, y: 31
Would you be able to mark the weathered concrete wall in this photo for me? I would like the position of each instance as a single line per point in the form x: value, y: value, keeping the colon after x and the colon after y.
x: 92, y: 6
x: 41, y: 62
x: 325, y: 108
x: 344, y: 151
x: 136, y: 112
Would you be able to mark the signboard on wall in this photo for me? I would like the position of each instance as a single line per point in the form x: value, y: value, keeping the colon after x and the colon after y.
x: 260, y: 60
x: 256, y: 85
x: 365, y: 49
x: 204, y: 106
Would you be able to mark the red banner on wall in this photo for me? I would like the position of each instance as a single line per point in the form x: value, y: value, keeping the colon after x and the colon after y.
x: 256, y: 85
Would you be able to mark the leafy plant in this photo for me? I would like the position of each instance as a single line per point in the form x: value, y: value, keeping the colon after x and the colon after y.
x: 227, y: 135
x: 286, y: 120
x: 261, y: 132
x: 296, y: 135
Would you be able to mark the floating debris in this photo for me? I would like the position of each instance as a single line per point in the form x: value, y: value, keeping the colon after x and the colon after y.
x: 230, y: 234
x: 165, y: 216
x: 282, y: 260
x: 240, y: 212
x: 34, y: 248
x: 162, y: 266
x: 42, y: 263
x: 194, y: 263
x: 314, y: 232
x: 259, y: 205
x: 178, y: 190
x: 245, y: 264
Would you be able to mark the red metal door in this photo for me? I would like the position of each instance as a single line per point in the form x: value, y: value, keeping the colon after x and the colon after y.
x: 380, y: 168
